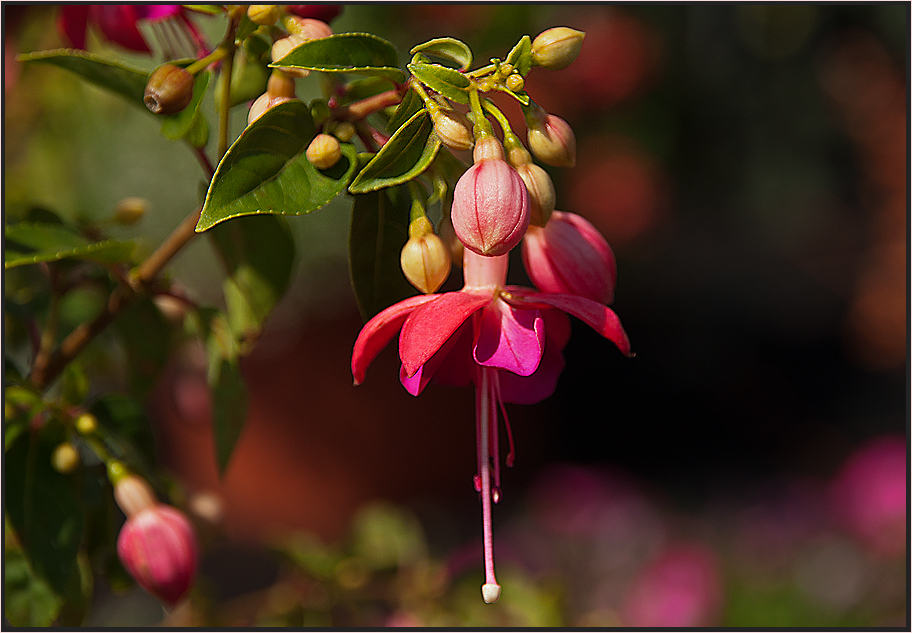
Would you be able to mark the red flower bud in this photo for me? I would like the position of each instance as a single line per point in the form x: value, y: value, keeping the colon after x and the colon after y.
x: 570, y: 256
x: 490, y: 212
x: 169, y: 89
x: 158, y: 547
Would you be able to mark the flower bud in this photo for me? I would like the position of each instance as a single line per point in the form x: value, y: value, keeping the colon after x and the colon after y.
x: 281, y: 48
x: 453, y: 128
x: 263, y: 104
x: 515, y: 82
x: 570, y: 256
x: 538, y: 184
x: 130, y: 210
x: 169, y: 89
x: 133, y: 494
x: 557, y: 48
x: 490, y: 210
x: 551, y: 139
x: 307, y: 28
x: 344, y: 131
x: 158, y: 547
x: 280, y: 84
x: 86, y: 424
x: 425, y: 259
x: 324, y: 151
x: 65, y: 458
x: 263, y: 14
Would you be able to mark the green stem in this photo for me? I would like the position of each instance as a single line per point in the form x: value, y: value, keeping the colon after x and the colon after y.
x: 482, y: 127
x: 418, y: 210
x: 501, y: 119
x: 216, y: 55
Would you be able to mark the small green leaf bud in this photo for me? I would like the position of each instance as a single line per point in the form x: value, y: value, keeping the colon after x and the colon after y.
x: 557, y: 48
x: 319, y: 111
x: 425, y: 259
x: 505, y: 70
x: 65, y: 458
x: 130, y: 210
x: 324, y: 151
x: 263, y: 14
x: 344, y: 131
x: 86, y: 423
x: 169, y: 89
x: 453, y: 128
x: 515, y: 82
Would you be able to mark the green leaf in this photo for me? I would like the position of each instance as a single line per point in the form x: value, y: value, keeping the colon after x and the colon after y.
x: 43, y: 507
x: 229, y: 398
x: 209, y: 9
x: 408, y: 153
x: 357, y: 53
x: 29, y: 600
x: 266, y: 171
x: 452, y: 84
x: 126, y: 430
x: 258, y: 253
x: 146, y: 340
x: 34, y: 242
x: 411, y: 103
x: 120, y: 79
x: 520, y: 96
x: 447, y: 48
x: 521, y: 56
x: 379, y: 230
x: 177, y: 126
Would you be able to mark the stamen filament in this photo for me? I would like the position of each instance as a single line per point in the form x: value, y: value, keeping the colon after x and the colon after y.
x: 490, y: 590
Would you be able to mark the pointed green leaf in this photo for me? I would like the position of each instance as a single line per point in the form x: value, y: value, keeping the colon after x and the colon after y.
x: 447, y: 48
x: 121, y: 79
x: 379, y: 230
x: 177, y: 126
x: 29, y: 601
x: 410, y: 104
x: 408, y: 153
x: 229, y: 399
x: 33, y: 242
x: 520, y: 96
x: 357, y: 53
x: 452, y: 84
x: 43, y: 507
x: 266, y: 171
x: 521, y: 56
x: 258, y: 253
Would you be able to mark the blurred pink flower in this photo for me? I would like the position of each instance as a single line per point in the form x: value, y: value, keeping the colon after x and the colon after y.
x: 870, y: 494
x: 681, y: 588
x: 324, y: 12
x: 118, y: 23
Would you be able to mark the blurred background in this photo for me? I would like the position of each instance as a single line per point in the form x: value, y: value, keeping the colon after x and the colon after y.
x: 747, y: 163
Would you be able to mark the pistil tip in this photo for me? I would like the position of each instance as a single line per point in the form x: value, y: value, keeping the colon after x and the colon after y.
x: 490, y: 591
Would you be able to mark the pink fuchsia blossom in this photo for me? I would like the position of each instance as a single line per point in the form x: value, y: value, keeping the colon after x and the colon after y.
x: 870, y: 493
x: 680, y: 588
x: 158, y: 547
x: 506, y: 340
x: 569, y: 255
x: 324, y: 12
x: 118, y: 23
x: 491, y: 208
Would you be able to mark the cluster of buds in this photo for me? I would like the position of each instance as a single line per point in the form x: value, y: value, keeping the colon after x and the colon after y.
x: 156, y: 544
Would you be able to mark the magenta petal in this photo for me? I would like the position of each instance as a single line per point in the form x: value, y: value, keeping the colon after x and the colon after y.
x: 541, y: 384
x: 157, y: 12
x: 378, y: 331
x: 429, y: 327
x: 510, y: 338
x: 117, y: 22
x: 599, y: 317
x: 72, y: 22
x: 444, y: 364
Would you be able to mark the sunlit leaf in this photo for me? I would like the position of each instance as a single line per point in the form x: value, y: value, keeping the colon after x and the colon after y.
x: 379, y: 230
x: 521, y: 56
x: 447, y: 48
x: 408, y: 153
x: 266, y: 171
x: 452, y: 84
x: 33, y: 242
x: 357, y: 53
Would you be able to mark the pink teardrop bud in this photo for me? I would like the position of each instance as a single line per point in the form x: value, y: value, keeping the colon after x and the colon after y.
x: 158, y: 548
x: 570, y: 256
x: 490, y: 212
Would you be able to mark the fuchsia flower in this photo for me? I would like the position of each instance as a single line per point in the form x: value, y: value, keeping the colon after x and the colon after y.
x: 325, y: 12
x: 506, y: 340
x: 569, y: 255
x: 118, y: 23
x: 158, y: 547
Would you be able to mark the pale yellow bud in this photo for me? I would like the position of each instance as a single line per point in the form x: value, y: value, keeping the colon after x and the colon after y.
x: 86, y: 423
x: 307, y: 28
x: 515, y: 82
x: 344, y: 131
x: 425, y: 260
x: 453, y: 128
x: 280, y: 84
x: 130, y: 210
x: 65, y: 458
x: 262, y: 104
x: 281, y: 48
x: 557, y: 48
x: 263, y: 14
x: 324, y: 151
